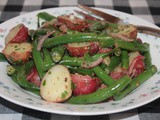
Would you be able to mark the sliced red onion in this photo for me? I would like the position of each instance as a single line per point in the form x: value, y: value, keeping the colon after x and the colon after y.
x: 43, y: 39
x: 92, y: 64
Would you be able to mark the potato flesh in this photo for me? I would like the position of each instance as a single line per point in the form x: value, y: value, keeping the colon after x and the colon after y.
x: 106, y: 60
x: 82, y: 44
x: 133, y: 55
x: 12, y: 33
x: 17, y: 51
x: 56, y: 84
x: 129, y: 31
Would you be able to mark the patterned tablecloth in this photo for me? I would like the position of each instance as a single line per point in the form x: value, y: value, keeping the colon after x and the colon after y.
x: 146, y: 9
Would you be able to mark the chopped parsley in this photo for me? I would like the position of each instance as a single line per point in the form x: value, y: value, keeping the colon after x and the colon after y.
x: 63, y: 95
x: 44, y: 82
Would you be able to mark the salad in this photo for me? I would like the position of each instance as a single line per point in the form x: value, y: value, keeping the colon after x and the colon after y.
x: 77, y: 61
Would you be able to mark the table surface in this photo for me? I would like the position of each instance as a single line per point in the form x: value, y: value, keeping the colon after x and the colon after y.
x: 146, y: 9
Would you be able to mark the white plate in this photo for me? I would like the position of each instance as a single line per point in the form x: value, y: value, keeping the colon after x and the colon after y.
x: 146, y: 93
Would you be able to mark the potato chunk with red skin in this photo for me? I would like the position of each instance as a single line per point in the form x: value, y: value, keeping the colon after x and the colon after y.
x: 17, y: 52
x: 73, y: 22
x: 79, y: 49
x: 129, y: 31
x: 17, y: 34
x: 56, y: 84
x: 136, y: 67
x: 136, y: 64
x: 84, y: 84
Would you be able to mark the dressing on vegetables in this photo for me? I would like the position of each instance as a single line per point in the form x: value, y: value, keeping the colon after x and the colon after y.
x: 78, y: 61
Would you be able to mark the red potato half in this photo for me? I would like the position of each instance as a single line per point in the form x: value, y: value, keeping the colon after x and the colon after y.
x: 17, y: 52
x: 17, y: 34
x: 56, y: 84
x: 136, y: 67
x: 116, y: 75
x: 73, y: 22
x: 129, y: 31
x: 136, y: 64
x: 79, y: 49
x: 118, y: 72
x: 84, y: 84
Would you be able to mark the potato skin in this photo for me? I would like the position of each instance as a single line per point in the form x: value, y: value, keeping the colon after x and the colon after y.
x: 17, y: 34
x: 17, y: 52
x: 56, y: 84
x: 84, y: 84
x: 79, y: 49
x: 73, y: 23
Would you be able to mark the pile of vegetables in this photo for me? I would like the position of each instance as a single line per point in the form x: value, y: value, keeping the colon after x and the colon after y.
x: 78, y: 61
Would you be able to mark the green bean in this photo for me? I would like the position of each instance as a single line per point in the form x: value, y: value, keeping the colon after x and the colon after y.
x: 107, y: 43
x: 41, y: 31
x: 78, y: 37
x: 24, y: 83
x: 106, y: 24
x: 101, y: 94
x: 45, y: 16
x: 103, y: 55
x: 72, y: 61
x: 57, y: 53
x: 28, y: 66
x: 76, y: 62
x: 124, y: 59
x: 32, y: 34
x: 71, y: 32
x: 2, y: 57
x: 19, y: 77
x: 10, y: 70
x: 110, y: 29
x: 14, y: 78
x: 106, y: 79
x: 112, y: 25
x: 136, y: 82
x: 38, y: 60
x: 38, y: 23
x: 102, y: 66
x: 147, y: 60
x: 117, y: 52
x: 98, y: 26
x: 81, y: 70
x: 132, y: 46
x: 115, y: 61
x: 47, y: 60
